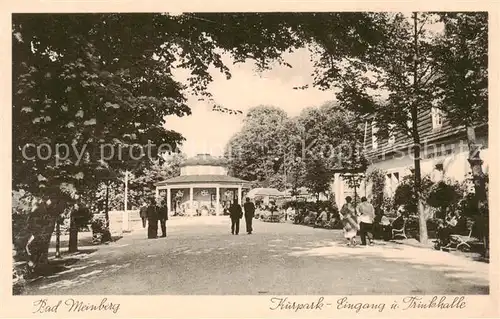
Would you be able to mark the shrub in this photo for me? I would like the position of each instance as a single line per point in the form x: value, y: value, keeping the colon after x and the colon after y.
x: 377, y: 177
x: 330, y: 207
x: 412, y: 226
x: 389, y: 206
x: 405, y: 193
x: 444, y: 196
x: 82, y: 216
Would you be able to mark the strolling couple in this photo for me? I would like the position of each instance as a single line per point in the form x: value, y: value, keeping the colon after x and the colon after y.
x: 352, y: 223
x: 154, y: 214
x: 236, y: 213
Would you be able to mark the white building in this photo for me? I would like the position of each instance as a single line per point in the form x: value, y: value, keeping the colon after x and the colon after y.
x: 444, y: 153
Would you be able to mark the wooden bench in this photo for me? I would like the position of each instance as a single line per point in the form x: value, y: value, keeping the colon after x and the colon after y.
x: 462, y: 242
x: 401, y: 231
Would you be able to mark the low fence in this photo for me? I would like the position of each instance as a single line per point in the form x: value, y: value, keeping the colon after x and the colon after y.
x: 118, y: 224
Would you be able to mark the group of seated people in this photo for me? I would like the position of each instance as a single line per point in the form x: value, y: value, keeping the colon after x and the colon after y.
x: 454, y: 224
x: 309, y: 217
x: 268, y: 211
x: 305, y: 216
x: 382, y: 225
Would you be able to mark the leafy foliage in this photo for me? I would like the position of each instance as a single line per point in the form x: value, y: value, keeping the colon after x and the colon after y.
x: 317, y: 178
x: 391, y: 82
x: 405, y: 193
x: 461, y: 55
x: 306, y: 148
x: 84, y: 81
x: 444, y: 196
x: 377, y: 178
x: 256, y: 151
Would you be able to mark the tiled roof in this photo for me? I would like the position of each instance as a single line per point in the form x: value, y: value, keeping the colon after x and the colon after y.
x: 200, y: 179
x: 204, y: 159
x: 427, y: 135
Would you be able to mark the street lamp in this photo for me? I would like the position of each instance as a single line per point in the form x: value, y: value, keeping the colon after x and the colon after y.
x: 125, y: 216
x: 276, y: 160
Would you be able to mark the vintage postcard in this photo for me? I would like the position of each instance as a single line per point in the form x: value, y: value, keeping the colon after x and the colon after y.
x: 266, y: 159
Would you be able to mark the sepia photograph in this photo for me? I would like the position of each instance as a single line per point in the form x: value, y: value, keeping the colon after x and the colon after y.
x: 250, y: 153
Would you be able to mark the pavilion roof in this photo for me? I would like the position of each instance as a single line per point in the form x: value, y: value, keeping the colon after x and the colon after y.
x: 200, y: 179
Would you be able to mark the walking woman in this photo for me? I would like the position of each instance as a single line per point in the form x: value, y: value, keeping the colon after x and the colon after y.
x: 348, y: 216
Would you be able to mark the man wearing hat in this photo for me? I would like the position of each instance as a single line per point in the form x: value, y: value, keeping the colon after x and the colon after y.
x: 152, y: 214
x: 367, y: 215
x: 249, y: 208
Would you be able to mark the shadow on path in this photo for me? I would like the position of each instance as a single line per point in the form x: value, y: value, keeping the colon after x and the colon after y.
x: 276, y: 259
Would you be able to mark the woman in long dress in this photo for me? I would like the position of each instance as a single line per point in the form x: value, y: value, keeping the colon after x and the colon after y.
x: 349, y: 221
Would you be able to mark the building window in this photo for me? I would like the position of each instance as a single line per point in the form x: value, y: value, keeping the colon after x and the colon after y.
x: 392, y: 135
x: 396, y: 178
x: 437, y: 118
x: 374, y: 135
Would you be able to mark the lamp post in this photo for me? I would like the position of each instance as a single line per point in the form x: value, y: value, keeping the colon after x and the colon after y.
x: 125, y: 217
x: 276, y: 160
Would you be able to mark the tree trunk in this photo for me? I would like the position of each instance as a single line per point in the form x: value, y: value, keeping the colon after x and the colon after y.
x: 41, y: 225
x: 44, y: 238
x: 422, y: 222
x: 73, y: 234
x: 479, y: 187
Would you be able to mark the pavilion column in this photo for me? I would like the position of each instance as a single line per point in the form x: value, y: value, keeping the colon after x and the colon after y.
x: 169, y: 200
x: 217, y: 200
x: 239, y: 195
x: 342, y: 190
x: 191, y: 195
x: 336, y: 188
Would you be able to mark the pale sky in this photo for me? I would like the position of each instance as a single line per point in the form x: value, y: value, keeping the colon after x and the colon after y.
x: 207, y: 131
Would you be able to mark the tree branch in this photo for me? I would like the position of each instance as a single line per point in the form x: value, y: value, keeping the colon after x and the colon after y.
x: 434, y: 72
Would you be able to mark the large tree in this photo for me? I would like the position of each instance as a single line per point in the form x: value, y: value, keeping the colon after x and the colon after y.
x: 390, y: 83
x: 142, y: 182
x: 330, y: 132
x: 461, y: 56
x: 88, y: 85
x: 317, y: 177
x: 89, y: 80
x: 257, y: 149
x: 289, y: 153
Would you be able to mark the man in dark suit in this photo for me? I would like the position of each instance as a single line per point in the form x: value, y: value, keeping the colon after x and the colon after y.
x: 163, y: 217
x: 143, y: 212
x: 249, y: 208
x: 235, y: 213
x: 152, y: 214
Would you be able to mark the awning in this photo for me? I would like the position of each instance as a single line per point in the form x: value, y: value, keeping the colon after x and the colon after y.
x: 271, y: 192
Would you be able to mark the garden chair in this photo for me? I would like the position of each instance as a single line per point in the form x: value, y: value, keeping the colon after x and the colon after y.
x: 463, y: 242
x: 400, y: 232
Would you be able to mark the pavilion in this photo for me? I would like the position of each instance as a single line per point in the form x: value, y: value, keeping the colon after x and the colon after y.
x: 203, y: 185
